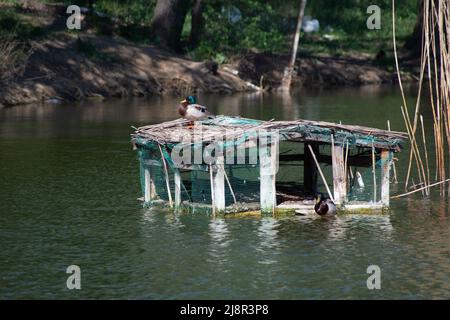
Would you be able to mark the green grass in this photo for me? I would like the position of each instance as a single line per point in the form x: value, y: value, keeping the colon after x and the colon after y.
x: 14, y: 25
x: 265, y: 26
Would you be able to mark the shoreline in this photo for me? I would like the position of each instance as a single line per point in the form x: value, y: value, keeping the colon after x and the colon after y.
x: 66, y: 66
x: 57, y: 70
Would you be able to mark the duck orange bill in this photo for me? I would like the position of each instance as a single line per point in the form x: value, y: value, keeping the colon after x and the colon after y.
x: 184, y: 101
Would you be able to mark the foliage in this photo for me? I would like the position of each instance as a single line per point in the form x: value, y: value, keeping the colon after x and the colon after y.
x: 269, y: 25
x: 12, y: 24
x: 15, y: 50
x: 237, y: 26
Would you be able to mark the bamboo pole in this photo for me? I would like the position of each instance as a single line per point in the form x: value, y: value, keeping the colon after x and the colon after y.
x: 345, y: 164
x: 417, y: 190
x: 321, y: 173
x: 166, y: 172
x: 426, y: 154
x: 374, y: 175
x: 213, y: 196
x: 394, y: 168
x: 410, y: 129
x: 229, y: 186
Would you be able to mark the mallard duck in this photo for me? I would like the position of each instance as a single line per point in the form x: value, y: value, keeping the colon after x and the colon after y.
x: 325, y: 207
x: 190, y: 110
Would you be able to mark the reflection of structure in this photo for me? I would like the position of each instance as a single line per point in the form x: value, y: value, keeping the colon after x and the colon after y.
x: 231, y: 164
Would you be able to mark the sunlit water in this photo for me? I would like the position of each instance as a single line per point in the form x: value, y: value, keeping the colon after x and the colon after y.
x: 69, y: 182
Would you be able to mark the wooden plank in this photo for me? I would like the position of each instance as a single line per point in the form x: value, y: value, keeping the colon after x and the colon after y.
x: 374, y: 172
x: 386, y: 158
x: 149, y: 185
x: 177, y: 179
x: 339, y: 178
x: 267, y: 173
x: 353, y: 161
x: 219, y: 185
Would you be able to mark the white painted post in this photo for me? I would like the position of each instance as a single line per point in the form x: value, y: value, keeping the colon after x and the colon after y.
x: 149, y: 182
x: 339, y: 179
x: 177, y: 179
x: 219, y: 185
x: 267, y: 175
x: 386, y: 157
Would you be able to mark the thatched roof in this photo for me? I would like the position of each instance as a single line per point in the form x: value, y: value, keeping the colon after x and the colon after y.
x: 242, y: 129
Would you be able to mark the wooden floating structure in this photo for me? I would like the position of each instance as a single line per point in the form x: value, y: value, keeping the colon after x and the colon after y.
x: 233, y: 164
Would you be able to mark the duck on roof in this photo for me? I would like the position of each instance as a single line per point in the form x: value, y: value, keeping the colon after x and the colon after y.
x: 296, y: 130
x: 345, y: 147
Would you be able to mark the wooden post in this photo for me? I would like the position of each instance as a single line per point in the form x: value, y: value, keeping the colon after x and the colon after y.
x: 339, y: 178
x: 149, y: 183
x: 213, y: 197
x: 177, y: 179
x: 219, y: 184
x: 374, y: 172
x: 386, y: 157
x: 267, y: 175
x: 310, y: 170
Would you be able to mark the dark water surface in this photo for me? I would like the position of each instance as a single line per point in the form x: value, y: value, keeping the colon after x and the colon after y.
x: 68, y: 187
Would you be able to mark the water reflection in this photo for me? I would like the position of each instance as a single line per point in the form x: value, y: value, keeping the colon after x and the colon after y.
x: 269, y: 243
x: 219, y: 242
x: 68, y: 187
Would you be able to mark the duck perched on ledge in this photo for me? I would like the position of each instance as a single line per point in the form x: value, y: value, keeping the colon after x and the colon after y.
x: 190, y: 110
x: 325, y: 207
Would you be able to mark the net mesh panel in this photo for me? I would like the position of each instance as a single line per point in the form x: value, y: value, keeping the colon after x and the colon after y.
x: 244, y: 178
x: 290, y: 173
x: 366, y: 193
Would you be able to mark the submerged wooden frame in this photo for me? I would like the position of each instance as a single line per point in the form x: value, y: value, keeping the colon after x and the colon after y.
x: 311, y: 133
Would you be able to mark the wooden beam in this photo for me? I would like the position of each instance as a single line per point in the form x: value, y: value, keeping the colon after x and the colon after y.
x: 149, y: 185
x: 177, y: 179
x: 353, y: 161
x: 339, y: 178
x: 374, y: 172
x: 219, y: 185
x: 267, y: 176
x: 386, y: 158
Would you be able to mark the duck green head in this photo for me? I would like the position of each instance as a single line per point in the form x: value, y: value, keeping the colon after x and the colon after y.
x: 190, y: 100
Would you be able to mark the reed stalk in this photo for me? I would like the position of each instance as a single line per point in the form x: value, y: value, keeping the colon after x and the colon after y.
x: 435, y: 63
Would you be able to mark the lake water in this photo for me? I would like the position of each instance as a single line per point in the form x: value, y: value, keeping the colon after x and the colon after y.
x: 69, y: 183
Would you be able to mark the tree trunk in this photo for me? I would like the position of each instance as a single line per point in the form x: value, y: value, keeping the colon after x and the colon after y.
x: 167, y: 22
x: 414, y: 42
x: 287, y: 77
x: 197, y: 23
